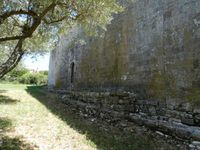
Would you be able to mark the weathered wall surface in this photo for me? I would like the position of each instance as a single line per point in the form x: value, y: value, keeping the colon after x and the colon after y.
x: 152, y: 48
x: 61, y: 58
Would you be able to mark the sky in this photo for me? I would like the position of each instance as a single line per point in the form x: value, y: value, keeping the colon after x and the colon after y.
x: 37, y: 63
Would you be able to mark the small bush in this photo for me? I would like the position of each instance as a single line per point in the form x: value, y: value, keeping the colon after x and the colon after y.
x: 14, y: 75
x: 33, y: 78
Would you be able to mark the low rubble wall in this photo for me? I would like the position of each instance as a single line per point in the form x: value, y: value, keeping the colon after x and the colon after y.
x: 178, y: 120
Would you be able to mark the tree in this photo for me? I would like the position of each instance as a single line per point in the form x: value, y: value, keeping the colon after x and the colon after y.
x: 31, y: 25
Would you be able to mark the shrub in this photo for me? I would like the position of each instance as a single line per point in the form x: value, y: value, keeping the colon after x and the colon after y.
x: 14, y: 75
x: 33, y: 78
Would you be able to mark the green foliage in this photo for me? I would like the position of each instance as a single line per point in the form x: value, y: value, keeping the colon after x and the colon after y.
x: 91, y: 14
x: 99, y: 14
x: 34, y: 78
x: 22, y: 75
x: 15, y: 74
x: 44, y: 72
x: 33, y: 26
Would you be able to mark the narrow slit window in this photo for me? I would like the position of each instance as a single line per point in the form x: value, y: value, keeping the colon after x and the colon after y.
x: 72, y: 72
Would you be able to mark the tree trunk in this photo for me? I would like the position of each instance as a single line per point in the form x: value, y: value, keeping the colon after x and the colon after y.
x: 13, y: 59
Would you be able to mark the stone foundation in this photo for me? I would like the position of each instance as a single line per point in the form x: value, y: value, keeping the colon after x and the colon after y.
x: 177, y: 120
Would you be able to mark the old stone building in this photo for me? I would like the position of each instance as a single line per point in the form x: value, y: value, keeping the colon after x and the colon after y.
x: 152, y: 49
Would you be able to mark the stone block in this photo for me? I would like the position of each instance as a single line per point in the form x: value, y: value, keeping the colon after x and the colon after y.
x: 186, y: 107
x: 152, y: 111
x: 118, y: 107
x: 136, y: 118
x: 196, y: 143
x: 196, y: 110
x: 195, y: 133
x: 187, y: 121
x: 173, y: 114
x: 171, y: 104
x: 130, y: 108
x: 117, y: 114
x: 161, y: 111
x: 197, y: 119
x: 112, y: 100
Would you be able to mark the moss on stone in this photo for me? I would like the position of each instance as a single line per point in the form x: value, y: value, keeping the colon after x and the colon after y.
x: 58, y: 83
x: 193, y: 96
x: 187, y: 38
x: 161, y: 86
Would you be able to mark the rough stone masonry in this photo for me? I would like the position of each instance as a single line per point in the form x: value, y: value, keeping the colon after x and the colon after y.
x: 152, y: 50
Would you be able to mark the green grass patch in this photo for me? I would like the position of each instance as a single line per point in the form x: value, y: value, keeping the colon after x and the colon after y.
x: 9, y: 86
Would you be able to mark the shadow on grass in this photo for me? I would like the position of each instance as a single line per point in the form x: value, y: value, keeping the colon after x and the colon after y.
x: 8, y: 143
x: 103, y: 136
x: 7, y: 100
x: 3, y: 91
x: 5, y: 124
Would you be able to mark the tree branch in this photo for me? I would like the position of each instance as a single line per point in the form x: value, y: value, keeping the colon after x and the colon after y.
x: 13, y: 38
x: 54, y: 21
x: 13, y: 60
x: 50, y: 7
x: 27, y: 31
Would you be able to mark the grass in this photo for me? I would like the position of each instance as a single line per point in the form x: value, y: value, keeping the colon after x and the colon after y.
x: 14, y: 144
x: 32, y: 118
x: 9, y: 86
x: 7, y: 100
x: 5, y: 124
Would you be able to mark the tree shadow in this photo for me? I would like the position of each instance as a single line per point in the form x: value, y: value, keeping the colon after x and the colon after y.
x: 3, y: 91
x: 104, y: 136
x: 11, y: 143
x: 7, y: 143
x: 5, y: 124
x: 7, y: 100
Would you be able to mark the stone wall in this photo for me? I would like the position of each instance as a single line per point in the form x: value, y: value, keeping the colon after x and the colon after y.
x: 152, y: 48
x: 118, y: 108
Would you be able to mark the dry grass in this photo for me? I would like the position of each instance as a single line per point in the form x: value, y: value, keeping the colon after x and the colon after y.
x: 34, y: 123
x: 32, y: 119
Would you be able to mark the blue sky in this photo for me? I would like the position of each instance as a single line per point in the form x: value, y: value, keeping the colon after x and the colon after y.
x: 37, y: 63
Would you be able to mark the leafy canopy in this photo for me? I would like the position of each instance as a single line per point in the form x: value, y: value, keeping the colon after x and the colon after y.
x: 91, y: 14
x: 33, y: 25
